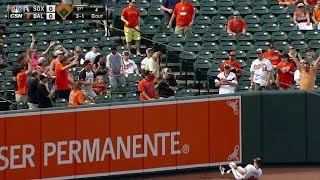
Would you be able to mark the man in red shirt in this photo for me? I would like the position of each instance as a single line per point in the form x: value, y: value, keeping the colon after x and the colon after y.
x: 237, y: 25
x: 273, y: 55
x: 146, y: 87
x: 285, y: 73
x: 131, y: 18
x: 184, y: 14
x: 234, y: 64
x: 62, y: 80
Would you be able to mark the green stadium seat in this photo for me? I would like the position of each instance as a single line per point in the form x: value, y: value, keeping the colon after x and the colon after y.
x: 155, y: 3
x: 296, y: 35
x: 299, y: 44
x: 165, y: 29
x: 277, y: 10
x: 15, y: 37
x: 28, y: 26
x: 252, y: 28
x: 96, y: 33
x: 261, y: 44
x: 227, y: 46
x: 211, y: 75
x: 205, y: 55
x: 84, y: 24
x: 314, y: 44
x: 82, y: 33
x: 155, y: 11
x: 252, y: 19
x: 133, y: 78
x: 83, y: 43
x: 225, y: 10
x: 132, y: 97
x: 160, y: 38
x: 268, y: 18
x: 132, y: 86
x: 68, y: 24
x: 42, y: 26
x: 152, y: 20
x: 61, y: 102
x: 217, y: 29
x: 247, y: 37
x: 54, y: 35
x: 186, y: 60
x: 244, y: 10
x: 252, y: 54
x: 262, y: 36
x: 173, y: 51
x: 241, y: 54
x: 42, y: 36
x: 281, y: 45
x: 225, y: 3
x: 219, y: 19
x: 226, y: 37
x: 144, y: 12
x: 92, y: 40
x: 312, y: 35
x: 56, y: 25
x: 209, y: 46
x: 118, y: 98
x: 7, y: 48
x: 239, y: 3
x: 271, y: 27
x: 192, y: 37
x: 201, y: 67
x: 143, y: 4
x: 200, y: 29
x: 177, y: 38
x: 22, y: 105
x: 42, y: 45
x: 195, y: 3
x: 203, y: 20
x: 13, y: 27
x: 244, y: 45
x: 283, y: 18
x: 259, y: 3
x: 208, y: 11
x: 184, y: 93
x: 102, y: 99
x: 279, y: 36
x: 208, y: 3
x: 106, y: 41
x: 291, y: 9
x: 69, y: 34
x: 220, y: 55
x: 260, y: 10
x: 288, y: 27
x: 273, y: 2
x: 192, y: 47
x: 122, y: 4
x: 12, y: 57
x: 210, y: 37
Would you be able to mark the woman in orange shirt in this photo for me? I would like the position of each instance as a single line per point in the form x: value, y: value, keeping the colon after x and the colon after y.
x: 22, y: 81
x: 77, y: 97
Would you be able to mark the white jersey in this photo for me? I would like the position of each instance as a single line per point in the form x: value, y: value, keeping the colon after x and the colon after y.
x: 144, y: 62
x: 261, y: 69
x: 91, y: 56
x: 252, y: 173
x: 129, y: 66
x: 224, y: 88
x: 297, y: 77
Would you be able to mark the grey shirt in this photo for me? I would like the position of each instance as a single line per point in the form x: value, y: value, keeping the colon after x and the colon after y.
x: 115, y: 63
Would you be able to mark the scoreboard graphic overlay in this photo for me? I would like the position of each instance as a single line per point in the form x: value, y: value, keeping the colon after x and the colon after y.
x: 56, y: 12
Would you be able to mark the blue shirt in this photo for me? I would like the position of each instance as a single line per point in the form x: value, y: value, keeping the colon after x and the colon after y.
x: 170, y: 4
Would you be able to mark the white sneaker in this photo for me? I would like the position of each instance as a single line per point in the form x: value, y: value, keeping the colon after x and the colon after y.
x: 221, y: 170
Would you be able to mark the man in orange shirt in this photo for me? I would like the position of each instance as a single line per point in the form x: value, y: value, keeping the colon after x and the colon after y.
x: 146, y: 86
x: 62, y: 80
x: 234, y: 65
x: 184, y: 14
x: 131, y: 18
x: 273, y: 55
x: 237, y: 25
x: 285, y: 73
x: 307, y: 74
x: 22, y: 81
x: 288, y: 2
x: 316, y: 14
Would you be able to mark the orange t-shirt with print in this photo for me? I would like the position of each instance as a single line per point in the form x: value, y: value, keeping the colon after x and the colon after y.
x: 22, y: 81
x: 285, y: 78
x: 76, y: 98
x: 183, y: 13
x: 62, y: 81
x: 132, y: 15
x: 148, y: 87
x: 274, y: 57
x: 236, y: 26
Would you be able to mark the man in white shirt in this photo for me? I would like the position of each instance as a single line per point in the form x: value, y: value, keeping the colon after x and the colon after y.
x: 91, y: 55
x: 149, y: 53
x: 129, y: 66
x: 249, y: 172
x: 86, y: 76
x: 153, y: 64
x: 260, y: 72
x: 226, y: 81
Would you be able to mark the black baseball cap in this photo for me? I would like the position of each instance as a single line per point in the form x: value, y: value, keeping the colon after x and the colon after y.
x: 147, y: 73
x: 258, y: 161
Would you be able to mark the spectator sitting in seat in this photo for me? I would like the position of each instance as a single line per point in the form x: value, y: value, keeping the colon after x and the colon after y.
x: 33, y: 85
x: 129, y: 66
x: 91, y: 55
x: 301, y: 17
x: 226, y: 80
x: 310, y: 56
x: 273, y: 55
x: 184, y: 14
x: 99, y: 86
x: 166, y: 84
x: 44, y: 95
x: 285, y: 73
x: 310, y: 2
x: 77, y: 53
x: 86, y: 76
x: 99, y: 66
x: 22, y: 80
x: 293, y: 53
x: 149, y: 53
x: 234, y: 65
x: 288, y: 2
x: 316, y: 14
x: 237, y: 25
x: 146, y: 86
x: 77, y: 97
x: 115, y: 67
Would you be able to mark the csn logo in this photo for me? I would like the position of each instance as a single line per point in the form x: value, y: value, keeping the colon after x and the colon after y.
x: 16, y: 12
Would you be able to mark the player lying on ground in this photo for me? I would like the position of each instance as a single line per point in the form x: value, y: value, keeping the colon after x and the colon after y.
x: 250, y: 172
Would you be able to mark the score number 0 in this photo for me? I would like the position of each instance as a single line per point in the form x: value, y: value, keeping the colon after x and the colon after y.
x: 50, y: 15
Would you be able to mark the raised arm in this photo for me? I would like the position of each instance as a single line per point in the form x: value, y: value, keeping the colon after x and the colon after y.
x: 48, y: 49
x: 317, y: 63
x: 297, y: 62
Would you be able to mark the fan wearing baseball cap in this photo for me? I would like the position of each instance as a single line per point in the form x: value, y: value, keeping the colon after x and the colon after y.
x: 226, y: 81
x: 146, y: 86
x: 234, y: 65
x: 273, y: 55
x: 251, y: 171
x: 285, y: 73
x: 237, y: 25
x: 301, y: 17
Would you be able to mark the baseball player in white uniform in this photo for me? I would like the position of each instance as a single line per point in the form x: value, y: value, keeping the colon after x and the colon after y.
x: 250, y: 172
